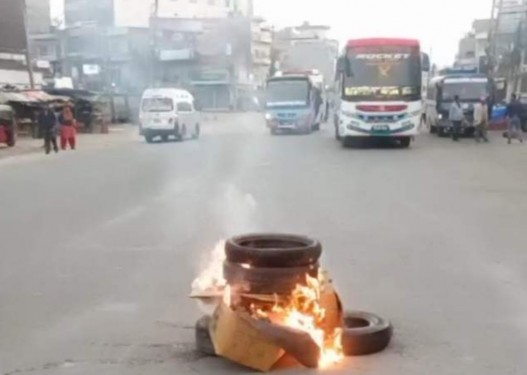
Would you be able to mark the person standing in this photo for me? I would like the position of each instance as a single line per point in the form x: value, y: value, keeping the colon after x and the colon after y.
x: 481, y: 120
x: 514, y: 112
x: 68, y: 131
x: 456, y: 117
x: 47, y: 121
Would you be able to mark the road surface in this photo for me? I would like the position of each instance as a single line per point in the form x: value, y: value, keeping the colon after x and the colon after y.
x: 99, y: 247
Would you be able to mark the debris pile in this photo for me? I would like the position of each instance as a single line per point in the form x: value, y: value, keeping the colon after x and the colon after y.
x: 273, y: 303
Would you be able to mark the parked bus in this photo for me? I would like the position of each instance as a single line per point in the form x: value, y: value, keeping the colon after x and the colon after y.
x: 291, y: 104
x: 440, y: 95
x: 380, y: 89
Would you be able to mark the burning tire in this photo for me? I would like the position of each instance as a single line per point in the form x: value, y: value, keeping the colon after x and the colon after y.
x: 267, y: 280
x: 365, y: 333
x: 273, y: 250
x: 203, y: 340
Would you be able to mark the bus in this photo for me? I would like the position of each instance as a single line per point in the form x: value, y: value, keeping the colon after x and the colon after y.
x: 470, y: 87
x: 380, y: 86
x: 293, y: 104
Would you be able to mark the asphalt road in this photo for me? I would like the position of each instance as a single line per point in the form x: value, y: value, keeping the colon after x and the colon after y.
x: 98, y: 247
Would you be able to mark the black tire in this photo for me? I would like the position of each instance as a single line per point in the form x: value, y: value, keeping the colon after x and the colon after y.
x: 337, y: 133
x: 177, y: 132
x: 268, y: 280
x: 440, y: 132
x: 11, y: 139
x: 365, y: 333
x: 274, y: 132
x: 273, y: 250
x: 405, y: 142
x: 149, y: 138
x: 316, y: 127
x: 204, y: 343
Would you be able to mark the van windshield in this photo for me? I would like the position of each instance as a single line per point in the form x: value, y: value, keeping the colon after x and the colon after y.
x: 158, y: 105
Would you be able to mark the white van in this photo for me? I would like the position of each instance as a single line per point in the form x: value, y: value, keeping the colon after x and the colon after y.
x: 168, y: 112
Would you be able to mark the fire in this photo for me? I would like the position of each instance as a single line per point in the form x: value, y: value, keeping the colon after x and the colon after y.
x: 303, y: 312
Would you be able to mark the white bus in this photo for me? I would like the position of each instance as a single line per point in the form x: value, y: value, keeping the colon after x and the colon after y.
x: 380, y: 85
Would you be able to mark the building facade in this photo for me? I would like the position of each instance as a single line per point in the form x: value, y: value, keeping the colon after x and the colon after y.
x: 13, y: 42
x: 306, y: 47
x: 137, y: 13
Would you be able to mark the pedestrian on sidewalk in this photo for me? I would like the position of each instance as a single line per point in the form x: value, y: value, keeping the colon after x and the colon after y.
x: 514, y: 112
x: 481, y: 120
x: 68, y: 131
x: 47, y: 122
x: 456, y: 117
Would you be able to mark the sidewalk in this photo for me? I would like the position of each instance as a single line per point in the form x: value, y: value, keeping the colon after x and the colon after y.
x: 118, y: 134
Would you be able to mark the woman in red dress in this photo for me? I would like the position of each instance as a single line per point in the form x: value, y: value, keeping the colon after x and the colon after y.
x: 68, y: 131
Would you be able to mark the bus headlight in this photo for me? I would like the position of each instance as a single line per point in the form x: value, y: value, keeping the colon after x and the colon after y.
x: 268, y: 116
x: 440, y: 116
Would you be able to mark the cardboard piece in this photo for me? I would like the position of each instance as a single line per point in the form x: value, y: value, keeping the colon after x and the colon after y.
x: 235, y: 338
x: 260, y: 345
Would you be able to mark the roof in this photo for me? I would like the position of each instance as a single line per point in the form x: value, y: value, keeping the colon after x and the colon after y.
x: 382, y: 42
x: 27, y: 97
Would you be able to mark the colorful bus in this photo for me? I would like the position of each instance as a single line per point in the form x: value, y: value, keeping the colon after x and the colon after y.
x: 380, y: 86
x: 293, y: 104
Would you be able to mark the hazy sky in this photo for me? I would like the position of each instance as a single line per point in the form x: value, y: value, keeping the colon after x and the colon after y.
x: 439, y: 24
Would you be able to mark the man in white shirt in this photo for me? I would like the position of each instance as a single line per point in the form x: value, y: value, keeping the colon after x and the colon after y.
x: 481, y: 120
x: 456, y: 117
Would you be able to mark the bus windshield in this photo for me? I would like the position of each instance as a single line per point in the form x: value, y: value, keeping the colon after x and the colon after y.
x: 287, y: 92
x: 468, y: 91
x: 383, y: 73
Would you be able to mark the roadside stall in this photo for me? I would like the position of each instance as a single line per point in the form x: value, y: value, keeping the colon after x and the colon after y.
x: 26, y: 105
x: 92, y: 110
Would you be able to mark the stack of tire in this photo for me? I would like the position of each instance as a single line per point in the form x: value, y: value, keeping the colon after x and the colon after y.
x: 270, y: 263
x: 276, y: 264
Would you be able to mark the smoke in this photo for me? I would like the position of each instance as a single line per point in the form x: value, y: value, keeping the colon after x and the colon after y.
x: 211, y: 277
x: 235, y: 210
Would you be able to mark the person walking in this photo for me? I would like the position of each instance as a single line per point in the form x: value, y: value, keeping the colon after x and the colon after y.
x: 481, y: 120
x: 68, y: 131
x: 514, y: 112
x: 456, y: 117
x: 47, y: 122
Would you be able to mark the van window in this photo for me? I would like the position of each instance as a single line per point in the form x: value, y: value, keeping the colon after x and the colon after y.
x: 158, y: 105
x: 184, y: 107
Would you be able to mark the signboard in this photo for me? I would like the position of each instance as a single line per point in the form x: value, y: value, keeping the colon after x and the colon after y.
x: 91, y: 69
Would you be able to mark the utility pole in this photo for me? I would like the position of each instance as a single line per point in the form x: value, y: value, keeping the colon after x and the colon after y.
x: 27, y: 51
x: 155, y: 42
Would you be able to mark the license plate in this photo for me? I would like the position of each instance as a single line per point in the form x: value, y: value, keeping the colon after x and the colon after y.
x: 381, y: 128
x: 157, y: 121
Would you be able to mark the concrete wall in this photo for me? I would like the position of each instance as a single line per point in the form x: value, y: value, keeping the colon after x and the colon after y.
x: 12, y: 35
x: 38, y: 14
x: 19, y: 78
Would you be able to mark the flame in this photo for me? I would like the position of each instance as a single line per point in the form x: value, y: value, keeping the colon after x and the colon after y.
x: 303, y: 312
